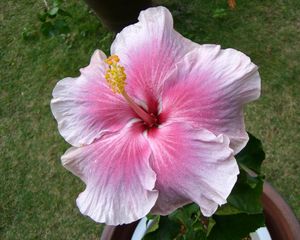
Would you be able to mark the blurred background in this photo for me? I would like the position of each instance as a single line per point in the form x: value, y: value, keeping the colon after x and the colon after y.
x: 37, y: 195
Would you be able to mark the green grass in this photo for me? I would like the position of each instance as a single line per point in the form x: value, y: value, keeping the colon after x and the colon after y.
x: 37, y: 195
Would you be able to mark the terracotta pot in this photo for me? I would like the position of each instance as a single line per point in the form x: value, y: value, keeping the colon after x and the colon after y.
x: 117, y: 14
x: 280, y: 220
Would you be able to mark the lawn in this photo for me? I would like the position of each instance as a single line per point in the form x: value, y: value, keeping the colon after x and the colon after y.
x: 37, y: 195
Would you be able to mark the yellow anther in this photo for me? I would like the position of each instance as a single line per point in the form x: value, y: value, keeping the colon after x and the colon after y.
x: 112, y: 59
x: 115, y: 77
x: 115, y: 74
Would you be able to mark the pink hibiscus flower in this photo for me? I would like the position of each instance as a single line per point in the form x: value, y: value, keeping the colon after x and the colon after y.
x: 165, y: 137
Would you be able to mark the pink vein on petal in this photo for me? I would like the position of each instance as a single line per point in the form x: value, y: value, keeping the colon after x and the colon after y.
x: 85, y: 107
x: 119, y: 179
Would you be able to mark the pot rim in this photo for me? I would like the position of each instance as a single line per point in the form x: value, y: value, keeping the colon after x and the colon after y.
x: 281, y: 222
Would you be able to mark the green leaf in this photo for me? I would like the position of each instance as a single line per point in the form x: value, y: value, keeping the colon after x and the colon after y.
x: 150, y: 216
x: 235, y: 227
x: 57, y: 3
x: 61, y: 26
x: 167, y: 230
x: 53, y: 11
x: 42, y: 16
x: 154, y: 225
x: 185, y: 213
x: 252, y: 181
x: 245, y: 196
x: 192, y: 224
x: 227, y: 209
x: 211, y: 224
x: 220, y: 13
x: 64, y: 13
x: 252, y: 155
x: 47, y: 29
x: 193, y: 234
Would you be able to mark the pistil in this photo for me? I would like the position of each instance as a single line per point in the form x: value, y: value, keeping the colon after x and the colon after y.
x: 115, y: 77
x: 149, y: 119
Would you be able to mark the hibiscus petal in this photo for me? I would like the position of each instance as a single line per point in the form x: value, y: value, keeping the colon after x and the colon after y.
x: 85, y: 107
x: 210, y: 90
x: 149, y: 50
x: 119, y: 180
x: 191, y: 166
x: 96, y: 69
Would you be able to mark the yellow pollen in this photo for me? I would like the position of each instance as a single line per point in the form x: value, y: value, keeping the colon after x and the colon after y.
x: 115, y: 74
